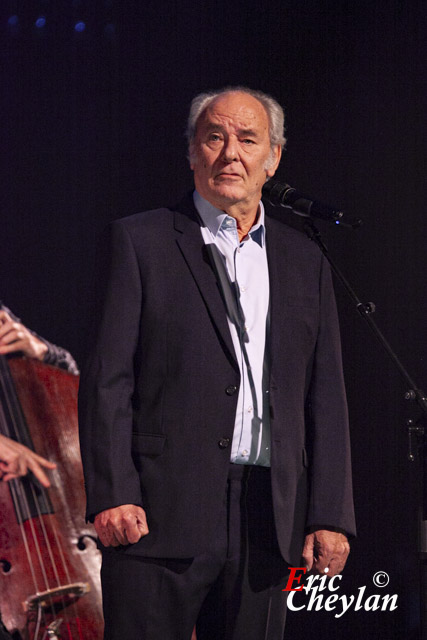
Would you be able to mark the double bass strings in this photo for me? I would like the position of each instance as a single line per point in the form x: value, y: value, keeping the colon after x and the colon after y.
x: 16, y: 428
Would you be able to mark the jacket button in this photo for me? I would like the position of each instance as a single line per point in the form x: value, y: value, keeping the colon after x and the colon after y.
x: 223, y: 443
x: 231, y: 390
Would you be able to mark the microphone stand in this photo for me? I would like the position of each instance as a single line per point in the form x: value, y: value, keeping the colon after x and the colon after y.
x: 416, y: 431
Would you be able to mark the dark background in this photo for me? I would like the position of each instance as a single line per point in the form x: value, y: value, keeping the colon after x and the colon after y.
x: 92, y: 129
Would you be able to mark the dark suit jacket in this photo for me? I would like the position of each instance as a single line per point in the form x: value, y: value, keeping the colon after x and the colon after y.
x: 158, y: 395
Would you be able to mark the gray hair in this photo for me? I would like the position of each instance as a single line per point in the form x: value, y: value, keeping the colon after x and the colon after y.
x: 275, y: 114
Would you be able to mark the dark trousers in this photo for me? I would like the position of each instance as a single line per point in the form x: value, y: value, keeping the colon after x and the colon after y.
x: 233, y: 591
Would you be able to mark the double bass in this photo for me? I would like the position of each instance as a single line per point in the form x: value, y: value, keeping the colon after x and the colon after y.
x: 49, y: 563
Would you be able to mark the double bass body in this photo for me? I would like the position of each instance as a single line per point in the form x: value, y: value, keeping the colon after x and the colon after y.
x: 49, y: 563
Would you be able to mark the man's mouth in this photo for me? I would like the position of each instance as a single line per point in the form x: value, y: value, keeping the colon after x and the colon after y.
x: 228, y: 175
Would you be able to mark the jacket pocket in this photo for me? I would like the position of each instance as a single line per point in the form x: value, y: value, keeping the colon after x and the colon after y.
x: 148, y: 444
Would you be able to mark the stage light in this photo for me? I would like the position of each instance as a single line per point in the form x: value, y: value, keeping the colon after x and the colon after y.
x: 40, y: 22
x: 13, y: 21
x: 79, y: 27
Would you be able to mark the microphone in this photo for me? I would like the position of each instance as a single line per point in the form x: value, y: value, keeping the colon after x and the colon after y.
x: 281, y: 194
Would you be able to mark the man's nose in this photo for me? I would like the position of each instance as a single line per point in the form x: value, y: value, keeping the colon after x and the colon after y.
x: 230, y: 151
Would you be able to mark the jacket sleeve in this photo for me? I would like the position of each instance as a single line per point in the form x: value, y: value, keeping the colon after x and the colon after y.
x: 328, y: 440
x: 107, y: 379
x: 59, y: 357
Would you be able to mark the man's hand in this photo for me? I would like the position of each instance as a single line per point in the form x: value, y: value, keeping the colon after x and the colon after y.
x: 325, y: 549
x: 15, y: 337
x: 16, y: 460
x: 121, y: 525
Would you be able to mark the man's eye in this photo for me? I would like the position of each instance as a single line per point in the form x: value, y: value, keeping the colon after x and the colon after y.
x: 248, y: 141
x: 214, y: 137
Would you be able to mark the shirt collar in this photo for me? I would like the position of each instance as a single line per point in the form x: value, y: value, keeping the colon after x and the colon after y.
x: 214, y: 218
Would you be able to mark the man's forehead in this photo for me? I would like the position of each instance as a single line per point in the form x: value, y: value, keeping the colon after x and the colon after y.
x: 239, y: 109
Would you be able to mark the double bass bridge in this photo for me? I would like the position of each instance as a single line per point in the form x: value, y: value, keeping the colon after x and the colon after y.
x: 54, y: 600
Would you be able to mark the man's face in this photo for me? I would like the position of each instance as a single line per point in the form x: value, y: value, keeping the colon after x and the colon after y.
x: 231, y: 155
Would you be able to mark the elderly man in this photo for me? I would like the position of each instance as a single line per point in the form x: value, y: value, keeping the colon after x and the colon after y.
x: 212, y: 411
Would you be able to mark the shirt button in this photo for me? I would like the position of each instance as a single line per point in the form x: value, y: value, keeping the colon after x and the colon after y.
x: 231, y: 390
x: 245, y: 452
x: 223, y: 443
x: 243, y: 289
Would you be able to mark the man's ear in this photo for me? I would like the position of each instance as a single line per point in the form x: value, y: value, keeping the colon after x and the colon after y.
x: 273, y: 160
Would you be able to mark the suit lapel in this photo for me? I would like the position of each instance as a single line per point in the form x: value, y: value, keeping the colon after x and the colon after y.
x: 190, y: 242
x: 193, y: 249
